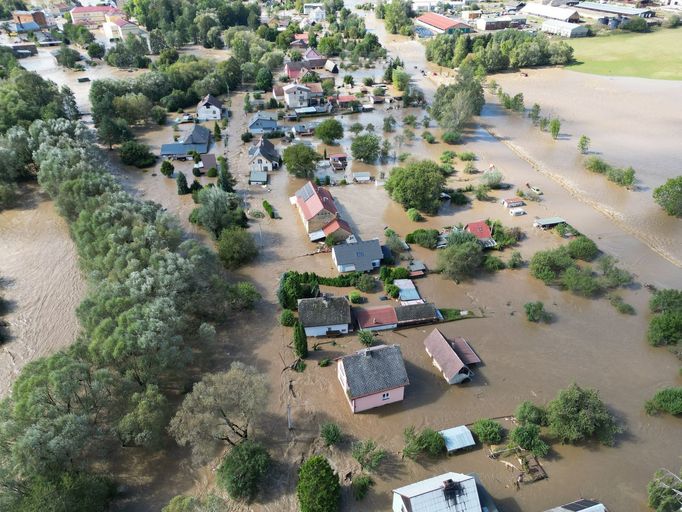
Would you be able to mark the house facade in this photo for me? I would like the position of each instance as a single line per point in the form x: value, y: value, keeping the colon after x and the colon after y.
x: 324, y: 316
x: 373, y: 377
x: 263, y: 156
x: 209, y: 108
x: 296, y: 95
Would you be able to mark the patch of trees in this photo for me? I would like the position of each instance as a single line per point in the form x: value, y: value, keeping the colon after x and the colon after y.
x: 505, y: 49
x: 300, y: 160
x: 296, y: 285
x: 665, y: 327
x: 130, y: 53
x: 329, y: 131
x: 77, y: 34
x: 150, y: 304
x: 318, y: 488
x: 7, y: 6
x: 67, y: 57
x: 454, y: 105
x: 428, y: 443
x: 417, y: 185
x: 427, y: 238
x: 397, y: 16
x: 623, y: 177
x: 218, y: 210
x: 366, y: 148
x: 669, y: 196
x: 665, y: 491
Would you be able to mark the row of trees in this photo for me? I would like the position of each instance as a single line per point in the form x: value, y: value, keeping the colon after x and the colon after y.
x: 152, y: 301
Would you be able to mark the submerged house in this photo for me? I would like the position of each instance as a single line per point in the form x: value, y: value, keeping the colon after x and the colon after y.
x: 373, y: 377
x: 376, y: 319
x: 580, y: 506
x: 263, y: 122
x: 416, y: 314
x: 325, y: 316
x: 198, y: 139
x: 360, y: 256
x: 209, y: 108
x: 449, y: 492
x: 263, y: 156
x: 319, y: 214
x: 482, y: 231
x: 451, y: 357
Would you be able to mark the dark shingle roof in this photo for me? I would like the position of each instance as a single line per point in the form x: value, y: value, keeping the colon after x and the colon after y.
x: 416, y: 312
x: 374, y: 370
x: 360, y: 254
x: 265, y: 148
x: 211, y: 100
x: 324, y: 311
x: 198, y: 135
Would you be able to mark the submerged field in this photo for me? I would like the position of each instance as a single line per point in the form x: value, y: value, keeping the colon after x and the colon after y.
x: 655, y: 55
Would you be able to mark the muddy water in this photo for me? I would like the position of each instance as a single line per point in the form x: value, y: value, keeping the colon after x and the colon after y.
x: 40, y: 279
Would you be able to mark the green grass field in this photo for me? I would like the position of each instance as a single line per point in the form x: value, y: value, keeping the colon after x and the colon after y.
x: 653, y: 55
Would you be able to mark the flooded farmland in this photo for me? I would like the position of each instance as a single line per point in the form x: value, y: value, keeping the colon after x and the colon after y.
x: 589, y: 342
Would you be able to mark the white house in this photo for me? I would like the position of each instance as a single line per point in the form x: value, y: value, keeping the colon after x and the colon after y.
x: 317, y: 15
x: 323, y: 316
x: 296, y: 95
x: 209, y: 108
x: 448, y: 492
x: 263, y: 156
x: 310, y: 7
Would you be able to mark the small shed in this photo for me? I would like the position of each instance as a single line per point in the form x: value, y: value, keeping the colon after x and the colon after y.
x: 457, y: 438
x: 376, y: 319
x: 408, y: 291
x: 416, y: 268
x: 258, y: 178
x: 362, y: 177
x: 451, y: 357
x: 548, y: 222
x: 513, y: 202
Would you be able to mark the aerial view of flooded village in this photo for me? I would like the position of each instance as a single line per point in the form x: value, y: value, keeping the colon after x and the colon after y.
x: 399, y: 255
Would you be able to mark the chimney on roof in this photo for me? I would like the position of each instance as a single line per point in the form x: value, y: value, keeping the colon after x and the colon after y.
x: 452, y: 491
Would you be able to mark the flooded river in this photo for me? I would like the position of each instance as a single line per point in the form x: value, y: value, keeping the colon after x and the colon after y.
x: 589, y: 342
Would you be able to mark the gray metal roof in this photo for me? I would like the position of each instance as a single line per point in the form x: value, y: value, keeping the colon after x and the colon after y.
x: 258, y: 177
x: 374, y: 370
x: 322, y: 311
x: 548, y: 221
x: 198, y: 135
x: 361, y: 254
x: 177, y: 148
x: 612, y: 8
x: 457, y: 438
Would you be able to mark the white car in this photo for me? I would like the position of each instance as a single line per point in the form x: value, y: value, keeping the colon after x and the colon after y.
x: 515, y: 212
x: 536, y: 190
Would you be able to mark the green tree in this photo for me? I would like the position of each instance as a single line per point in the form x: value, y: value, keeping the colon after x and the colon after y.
x: 368, y: 454
x: 226, y: 181
x: 535, y: 312
x: 527, y: 413
x: 331, y: 433
x: 96, y: 50
x: 528, y: 438
x: 220, y: 409
x: 665, y: 400
x: 578, y: 414
x: 548, y: 265
x: 300, y: 341
x: 582, y: 248
x: 534, y: 113
x: 460, y: 262
x: 669, y: 196
x: 584, y: 144
x: 217, y: 132
x: 236, y: 247
x: 318, y: 488
x: 300, y: 160
x: 329, y: 131
x: 454, y: 105
x: 287, y: 318
x: 365, y: 148
x: 356, y: 128
x: 427, y: 442
x: 488, y: 431
x: 67, y: 57
x: 243, y: 469
x: 137, y: 154
x: 158, y: 115
x: 145, y: 424
x: 181, y: 181
x: 665, y: 329
x: 133, y: 107
x: 112, y: 131
x: 218, y: 210
x: 389, y: 124
x: 366, y: 283
x: 397, y: 17
x: 664, y: 492
x: 555, y: 128
x: 366, y: 337
x: 400, y: 79
x: 264, y: 79
x: 665, y: 301
x: 417, y: 185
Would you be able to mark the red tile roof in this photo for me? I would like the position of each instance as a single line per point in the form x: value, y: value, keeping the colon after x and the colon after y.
x: 96, y: 8
x: 336, y: 225
x: 346, y: 99
x: 437, y: 21
x: 301, y: 37
x: 480, y: 229
x: 321, y: 199
x: 375, y: 317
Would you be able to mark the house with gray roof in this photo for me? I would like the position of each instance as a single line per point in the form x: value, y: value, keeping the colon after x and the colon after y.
x: 373, y: 377
x: 263, y: 122
x: 198, y: 139
x: 416, y: 314
x: 263, y: 156
x: 325, y: 316
x: 209, y: 107
x: 360, y: 256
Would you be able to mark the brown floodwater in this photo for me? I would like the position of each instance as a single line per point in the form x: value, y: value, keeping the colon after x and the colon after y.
x: 589, y: 342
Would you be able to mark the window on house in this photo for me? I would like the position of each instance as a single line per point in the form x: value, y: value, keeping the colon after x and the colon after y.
x: 385, y: 396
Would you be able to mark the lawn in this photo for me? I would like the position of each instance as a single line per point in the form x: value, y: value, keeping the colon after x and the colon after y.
x: 653, y: 55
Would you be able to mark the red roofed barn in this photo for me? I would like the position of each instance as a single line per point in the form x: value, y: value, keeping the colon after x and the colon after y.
x: 440, y: 24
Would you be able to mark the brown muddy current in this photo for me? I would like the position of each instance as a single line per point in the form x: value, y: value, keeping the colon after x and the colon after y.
x: 589, y: 342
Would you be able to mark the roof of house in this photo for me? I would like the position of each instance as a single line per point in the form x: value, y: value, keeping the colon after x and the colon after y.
x: 444, y: 354
x: 321, y: 311
x: 313, y: 54
x: 301, y: 37
x: 95, y: 8
x: 580, y: 506
x: 374, y: 370
x: 416, y: 266
x: 28, y: 26
x: 336, y: 225
x: 258, y: 177
x: 512, y: 200
x: 198, y: 135
x: 449, y: 492
x: 547, y: 221
x: 312, y: 199
x: 437, y: 20
x: 314, y: 87
x: 266, y: 118
x: 416, y: 312
x: 457, y: 438
x: 374, y: 317
x: 178, y: 148
x: 264, y: 148
x: 209, y: 161
x: 120, y: 22
x: 211, y: 100
x: 291, y: 87
x: 479, y: 229
x: 361, y: 254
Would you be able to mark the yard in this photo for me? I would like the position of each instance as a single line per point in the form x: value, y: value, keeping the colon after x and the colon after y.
x: 654, y: 55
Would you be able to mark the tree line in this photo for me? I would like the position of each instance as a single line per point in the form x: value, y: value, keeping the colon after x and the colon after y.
x: 152, y: 299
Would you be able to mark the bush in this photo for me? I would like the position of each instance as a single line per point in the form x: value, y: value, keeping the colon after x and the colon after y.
x: 669, y: 196
x: 158, y: 115
x: 635, y: 24
x: 427, y: 442
x: 318, y: 488
x: 527, y: 413
x: 392, y: 291
x: 582, y: 248
x: 548, y: 265
x: 665, y: 400
x: 516, y: 260
x: 488, y: 431
x: 581, y: 281
x: 300, y: 341
x: 355, y: 297
x: 137, y: 154
x: 528, y: 438
x: 360, y: 486
x: 269, y: 209
x: 212, y: 172
x: 620, y: 305
x: 366, y: 337
x: 428, y: 137
x: 452, y: 137
x: 242, y: 470
x: 366, y: 283
x: 324, y: 362
x: 247, y: 137
x: 470, y: 168
x: 427, y: 238
x: 672, y: 22
x: 167, y: 168
x: 578, y: 414
x: 330, y: 433
x: 414, y: 215
x: 236, y: 247
x: 665, y: 301
x: 665, y: 329
x: 492, y: 264
x: 287, y: 318
x: 368, y: 454
x: 467, y: 156
x: 535, y: 312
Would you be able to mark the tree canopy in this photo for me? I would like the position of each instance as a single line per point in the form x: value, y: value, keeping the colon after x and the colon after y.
x: 329, y: 131
x: 417, y: 185
x: 300, y: 160
x: 318, y: 488
x: 669, y: 196
x: 454, y: 105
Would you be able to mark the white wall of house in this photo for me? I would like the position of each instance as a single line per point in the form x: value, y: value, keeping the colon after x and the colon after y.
x: 296, y: 98
x: 387, y: 327
x: 209, y: 112
x: 259, y: 163
x: 323, y: 329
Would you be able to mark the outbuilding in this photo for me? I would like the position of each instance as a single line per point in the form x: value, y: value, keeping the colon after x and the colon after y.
x: 376, y: 319
x: 550, y: 12
x: 513, y: 202
x: 451, y: 357
x: 324, y: 316
x: 439, y: 24
x: 616, y: 10
x: 457, y: 438
x: 548, y: 222
x: 564, y: 29
x: 359, y: 256
x: 258, y: 178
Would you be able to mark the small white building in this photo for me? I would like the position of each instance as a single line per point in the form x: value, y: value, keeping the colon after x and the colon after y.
x: 580, y: 506
x: 317, y: 15
x: 209, y: 108
x: 564, y: 29
x: 118, y: 29
x: 551, y: 12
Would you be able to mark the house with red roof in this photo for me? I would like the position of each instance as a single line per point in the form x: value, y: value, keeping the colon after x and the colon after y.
x: 482, y: 231
x: 376, y: 319
x: 93, y: 16
x: 300, y: 41
x: 439, y: 24
x: 319, y: 214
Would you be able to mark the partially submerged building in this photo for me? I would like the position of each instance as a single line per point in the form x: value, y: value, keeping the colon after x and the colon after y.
x: 439, y: 24
x: 580, y: 506
x: 209, y: 108
x: 319, y: 214
x: 197, y: 139
x: 373, y: 377
x: 457, y: 438
x: 452, y: 358
x: 381, y: 318
x: 358, y: 256
x: 482, y: 232
x: 263, y: 156
x: 325, y: 316
x: 449, y: 492
x: 416, y: 314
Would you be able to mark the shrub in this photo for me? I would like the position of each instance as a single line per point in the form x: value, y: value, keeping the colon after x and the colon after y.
x: 665, y: 400
x: 361, y: 485
x: 665, y: 329
x: 212, y: 172
x: 247, y: 137
x: 470, y: 168
x: 493, y: 263
x: 452, y: 137
x: 529, y: 413
x: 287, y: 318
x: 366, y: 283
x: 242, y: 470
x: 414, y: 215
x: 535, y: 312
x: 620, y: 305
x: 488, y: 431
x: 467, y: 156
x: 428, y: 137
x: 324, y: 362
x: 269, y: 209
x: 582, y: 248
x: 427, y: 442
x: 516, y: 260
x: 596, y: 164
x: 665, y: 301
x: 548, y: 265
x: 669, y: 196
x: 300, y: 341
x: 672, y: 22
x: 236, y: 247
x: 427, y: 238
x: 635, y: 24
x: 196, y: 171
x: 528, y: 438
x: 330, y: 433
x: 355, y: 297
x: 368, y: 454
x: 318, y: 488
x: 581, y: 281
x: 181, y: 182
x: 366, y: 337
x: 167, y: 168
x: 137, y: 154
